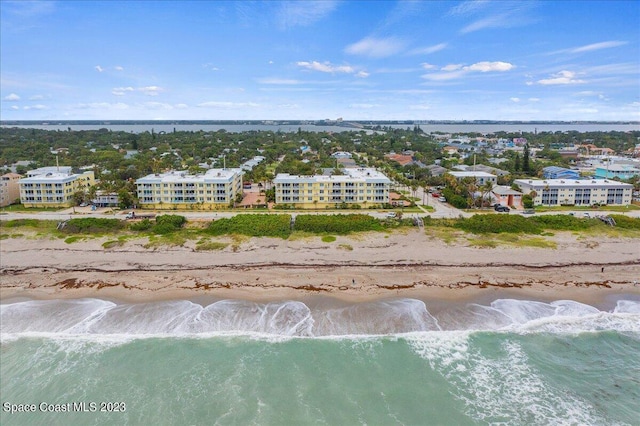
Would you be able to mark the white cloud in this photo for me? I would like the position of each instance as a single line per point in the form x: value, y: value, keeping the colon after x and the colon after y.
x: 326, y: 67
x: 427, y: 66
x: 597, y: 46
x: 118, y: 68
x: 151, y: 90
x: 303, y: 13
x: 451, y: 67
x: 453, y: 71
x: 99, y: 68
x: 443, y: 76
x: 36, y: 98
x: 15, y: 107
x: 534, y: 99
x: 375, y: 47
x: 278, y: 81
x: 362, y: 74
x: 428, y: 50
x: 120, y: 91
x: 181, y: 106
x: 12, y: 97
x: 210, y: 66
x: 468, y: 7
x: 102, y: 105
x: 514, y: 100
x: 563, y: 77
x: 490, y: 66
x: 36, y: 107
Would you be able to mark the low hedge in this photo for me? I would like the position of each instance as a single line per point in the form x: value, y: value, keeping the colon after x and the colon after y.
x: 253, y: 225
x: 92, y: 225
x: 337, y: 224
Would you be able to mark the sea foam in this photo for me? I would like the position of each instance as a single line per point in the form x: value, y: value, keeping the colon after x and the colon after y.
x: 94, y: 317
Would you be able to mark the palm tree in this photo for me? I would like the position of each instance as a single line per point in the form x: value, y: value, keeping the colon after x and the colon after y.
x: 486, y: 190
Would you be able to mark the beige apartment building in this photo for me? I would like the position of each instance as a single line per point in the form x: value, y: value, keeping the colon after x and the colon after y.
x: 9, y: 189
x: 53, y: 186
x: 556, y: 192
x: 363, y: 186
x: 215, y: 189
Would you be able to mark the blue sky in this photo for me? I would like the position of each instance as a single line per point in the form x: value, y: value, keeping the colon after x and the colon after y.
x: 359, y: 60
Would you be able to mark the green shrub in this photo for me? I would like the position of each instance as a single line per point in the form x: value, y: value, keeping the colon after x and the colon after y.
x: 163, y: 228
x: 337, y: 224
x: 21, y: 222
x: 143, y: 225
x: 527, y: 201
x: 457, y: 201
x: 562, y: 222
x: 626, y: 222
x: 92, y: 225
x: 491, y: 223
x: 328, y: 239
x: 175, y: 220
x: 253, y: 225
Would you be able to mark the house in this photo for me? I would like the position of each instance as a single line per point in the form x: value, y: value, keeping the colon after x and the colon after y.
x: 357, y: 186
x: 397, y: 200
x: 341, y: 154
x: 9, y: 189
x: 106, y: 199
x: 555, y: 172
x: 480, y: 177
x: 48, y: 187
x: 436, y: 170
x: 556, y: 192
x: 403, y: 160
x: 214, y: 189
x: 506, y: 196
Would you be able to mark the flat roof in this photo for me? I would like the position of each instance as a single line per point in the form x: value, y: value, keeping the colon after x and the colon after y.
x: 572, y: 182
x: 351, y: 175
x: 471, y: 174
x: 211, y: 175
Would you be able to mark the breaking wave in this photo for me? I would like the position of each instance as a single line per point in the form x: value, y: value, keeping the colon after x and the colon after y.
x: 91, y: 317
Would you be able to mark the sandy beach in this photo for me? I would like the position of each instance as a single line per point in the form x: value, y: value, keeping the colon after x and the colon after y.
x: 352, y: 269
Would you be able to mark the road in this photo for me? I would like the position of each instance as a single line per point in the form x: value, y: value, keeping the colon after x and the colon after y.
x: 442, y: 210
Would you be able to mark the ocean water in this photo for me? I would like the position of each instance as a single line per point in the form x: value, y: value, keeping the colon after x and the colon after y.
x: 512, y: 362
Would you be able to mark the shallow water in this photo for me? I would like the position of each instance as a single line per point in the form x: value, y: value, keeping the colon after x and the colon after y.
x: 387, y: 362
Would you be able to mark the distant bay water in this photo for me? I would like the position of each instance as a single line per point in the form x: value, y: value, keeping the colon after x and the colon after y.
x: 453, y: 128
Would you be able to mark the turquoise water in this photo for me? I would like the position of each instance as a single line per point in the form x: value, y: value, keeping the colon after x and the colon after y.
x: 234, y: 362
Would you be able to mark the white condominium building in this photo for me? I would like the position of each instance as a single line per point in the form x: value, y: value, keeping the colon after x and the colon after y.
x: 556, y: 192
x: 357, y: 186
x: 53, y: 187
x: 217, y: 188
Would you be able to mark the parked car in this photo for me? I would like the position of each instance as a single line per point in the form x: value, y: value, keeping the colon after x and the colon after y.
x: 443, y: 199
x: 502, y: 209
x: 392, y: 215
